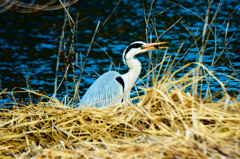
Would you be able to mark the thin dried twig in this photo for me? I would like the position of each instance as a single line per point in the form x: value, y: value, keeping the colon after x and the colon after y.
x: 111, y: 14
x: 33, y: 6
x: 226, y: 41
x: 58, y: 57
x: 89, y: 49
x: 201, y: 53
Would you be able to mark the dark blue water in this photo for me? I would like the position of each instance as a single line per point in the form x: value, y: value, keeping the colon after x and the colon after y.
x: 29, y: 42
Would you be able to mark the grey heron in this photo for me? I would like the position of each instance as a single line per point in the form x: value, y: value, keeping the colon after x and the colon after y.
x: 112, y: 87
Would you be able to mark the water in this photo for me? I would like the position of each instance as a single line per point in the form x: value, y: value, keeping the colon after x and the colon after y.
x: 29, y: 42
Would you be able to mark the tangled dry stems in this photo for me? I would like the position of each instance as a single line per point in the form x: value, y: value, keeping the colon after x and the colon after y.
x: 166, y: 123
x: 22, y: 6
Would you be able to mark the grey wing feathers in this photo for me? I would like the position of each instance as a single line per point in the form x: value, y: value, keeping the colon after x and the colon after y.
x: 104, y: 91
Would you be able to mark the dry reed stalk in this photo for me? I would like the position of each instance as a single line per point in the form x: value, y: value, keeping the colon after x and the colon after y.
x: 86, y: 58
x: 32, y: 6
x: 167, y: 122
x: 60, y: 50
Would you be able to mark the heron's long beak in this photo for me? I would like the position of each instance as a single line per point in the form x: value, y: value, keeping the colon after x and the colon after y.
x: 153, y: 46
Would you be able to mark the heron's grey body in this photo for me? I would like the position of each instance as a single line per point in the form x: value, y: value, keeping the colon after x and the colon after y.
x: 107, y: 82
x: 112, y: 87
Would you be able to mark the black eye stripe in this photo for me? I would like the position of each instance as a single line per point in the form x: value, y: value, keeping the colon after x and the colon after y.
x: 137, y: 45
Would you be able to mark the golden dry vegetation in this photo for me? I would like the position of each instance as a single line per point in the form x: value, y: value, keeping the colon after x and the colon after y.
x: 167, y: 122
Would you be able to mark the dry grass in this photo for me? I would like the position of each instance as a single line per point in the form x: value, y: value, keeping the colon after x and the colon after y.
x: 22, y: 6
x: 166, y: 123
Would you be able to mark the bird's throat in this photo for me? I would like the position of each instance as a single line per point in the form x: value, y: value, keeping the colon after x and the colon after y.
x: 131, y: 76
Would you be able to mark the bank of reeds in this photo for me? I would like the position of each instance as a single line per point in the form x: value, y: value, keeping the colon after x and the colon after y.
x: 167, y: 122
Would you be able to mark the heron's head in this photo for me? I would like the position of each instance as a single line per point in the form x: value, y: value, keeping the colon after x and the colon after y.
x: 138, y: 47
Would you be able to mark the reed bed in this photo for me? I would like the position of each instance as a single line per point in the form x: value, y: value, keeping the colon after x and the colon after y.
x: 167, y: 122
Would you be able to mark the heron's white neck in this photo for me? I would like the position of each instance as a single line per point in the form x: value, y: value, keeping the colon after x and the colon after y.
x: 132, y: 75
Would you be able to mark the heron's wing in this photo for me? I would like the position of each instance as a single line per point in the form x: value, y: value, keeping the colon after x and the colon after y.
x: 104, y: 91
